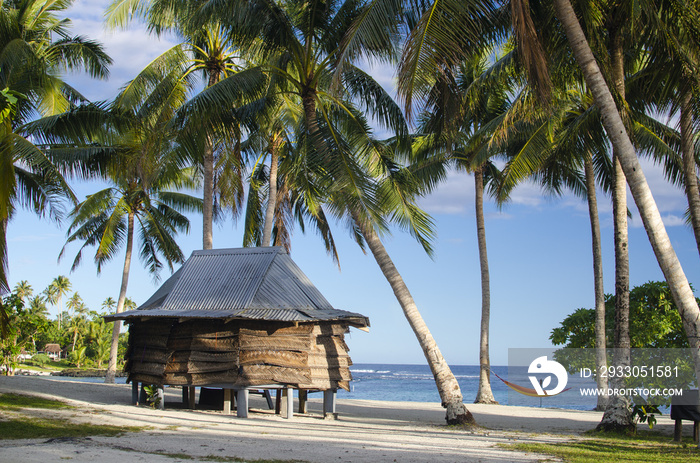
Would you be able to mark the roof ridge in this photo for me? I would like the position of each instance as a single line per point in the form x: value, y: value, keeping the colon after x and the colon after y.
x: 242, y: 250
x: 254, y: 294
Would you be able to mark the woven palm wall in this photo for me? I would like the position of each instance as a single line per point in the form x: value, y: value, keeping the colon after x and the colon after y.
x: 238, y: 353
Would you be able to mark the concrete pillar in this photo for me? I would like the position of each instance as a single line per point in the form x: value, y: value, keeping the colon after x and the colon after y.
x: 303, y: 397
x: 134, y: 392
x: 289, y: 409
x: 191, y: 391
x: 161, y: 396
x: 329, y: 404
x: 242, y: 399
x: 227, y: 401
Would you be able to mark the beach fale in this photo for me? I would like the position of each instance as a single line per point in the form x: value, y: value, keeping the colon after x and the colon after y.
x: 240, y: 320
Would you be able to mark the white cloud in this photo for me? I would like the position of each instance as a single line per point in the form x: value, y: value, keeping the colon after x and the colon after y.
x: 674, y: 221
x: 455, y: 196
x: 34, y: 238
x: 131, y: 49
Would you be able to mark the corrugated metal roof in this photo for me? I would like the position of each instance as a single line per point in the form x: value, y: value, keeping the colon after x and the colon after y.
x: 253, y: 283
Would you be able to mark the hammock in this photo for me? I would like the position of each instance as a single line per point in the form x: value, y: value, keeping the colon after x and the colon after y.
x: 522, y: 389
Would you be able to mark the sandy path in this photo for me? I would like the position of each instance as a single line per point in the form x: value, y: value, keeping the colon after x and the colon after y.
x: 367, y: 431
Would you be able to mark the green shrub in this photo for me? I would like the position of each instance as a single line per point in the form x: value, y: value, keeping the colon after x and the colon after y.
x: 41, y: 359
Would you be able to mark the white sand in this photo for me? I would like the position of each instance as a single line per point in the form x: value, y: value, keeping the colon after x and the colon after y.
x: 367, y: 431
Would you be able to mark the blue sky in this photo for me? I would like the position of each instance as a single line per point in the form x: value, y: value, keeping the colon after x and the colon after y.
x: 539, y: 249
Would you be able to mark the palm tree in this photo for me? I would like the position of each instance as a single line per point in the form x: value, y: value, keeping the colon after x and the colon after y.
x: 23, y: 290
x: 35, y: 47
x: 109, y: 304
x: 77, y: 321
x: 58, y: 288
x: 208, y: 50
x: 614, y: 126
x: 461, y: 114
x: 445, y: 40
x: 297, y: 44
x: 145, y: 165
x: 99, y: 335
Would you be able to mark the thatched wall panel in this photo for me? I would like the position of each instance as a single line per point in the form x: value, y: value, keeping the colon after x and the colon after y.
x: 205, y: 356
x: 149, y: 354
x: 273, y: 374
x: 266, y: 330
x: 154, y: 369
x: 149, y: 342
x: 201, y: 379
x: 151, y: 328
x: 196, y: 367
x: 335, y: 374
x: 322, y: 361
x: 281, y: 342
x: 328, y: 329
x: 203, y: 329
x: 331, y: 344
x: 274, y: 357
x: 144, y: 378
x: 205, y: 344
x: 240, y: 353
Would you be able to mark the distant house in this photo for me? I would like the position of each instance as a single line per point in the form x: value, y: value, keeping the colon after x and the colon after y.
x: 237, y: 319
x: 53, y: 351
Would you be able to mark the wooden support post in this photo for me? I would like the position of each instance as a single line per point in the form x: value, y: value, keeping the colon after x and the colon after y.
x: 696, y: 431
x: 134, y: 392
x: 303, y: 397
x: 143, y: 397
x: 242, y: 399
x: 185, y: 396
x: 329, y: 404
x: 191, y: 397
x: 678, y: 431
x: 227, y: 401
x: 268, y: 397
x: 278, y: 401
x: 160, y: 392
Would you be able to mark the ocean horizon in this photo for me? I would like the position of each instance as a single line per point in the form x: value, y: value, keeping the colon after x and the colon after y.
x: 415, y: 383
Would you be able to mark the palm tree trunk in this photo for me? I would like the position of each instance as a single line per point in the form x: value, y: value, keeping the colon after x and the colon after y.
x: 689, y: 166
x: 447, y: 385
x: 272, y: 196
x: 484, y: 394
x: 208, y: 194
x: 648, y: 211
x: 598, y: 285
x: 208, y: 198
x: 618, y: 413
x: 114, y: 347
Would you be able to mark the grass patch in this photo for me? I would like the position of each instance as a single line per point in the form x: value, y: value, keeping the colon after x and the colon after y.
x: 16, y: 402
x: 241, y: 460
x: 32, y: 428
x: 15, y: 425
x: 607, y: 448
x: 216, y: 458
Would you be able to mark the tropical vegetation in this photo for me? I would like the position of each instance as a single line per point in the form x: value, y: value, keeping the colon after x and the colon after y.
x: 80, y: 333
x: 568, y: 96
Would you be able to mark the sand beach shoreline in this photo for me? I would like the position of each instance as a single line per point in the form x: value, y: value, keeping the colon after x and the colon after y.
x: 367, y: 431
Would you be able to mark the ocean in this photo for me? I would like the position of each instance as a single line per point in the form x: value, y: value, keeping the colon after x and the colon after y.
x: 415, y: 383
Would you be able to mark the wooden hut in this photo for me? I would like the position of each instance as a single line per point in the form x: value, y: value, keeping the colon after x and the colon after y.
x: 240, y: 319
x: 53, y: 351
